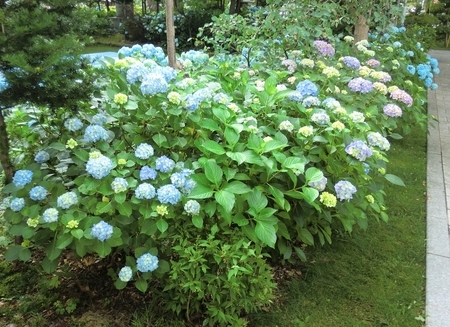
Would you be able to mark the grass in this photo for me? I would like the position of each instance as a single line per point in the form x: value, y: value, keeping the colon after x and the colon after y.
x: 374, y: 278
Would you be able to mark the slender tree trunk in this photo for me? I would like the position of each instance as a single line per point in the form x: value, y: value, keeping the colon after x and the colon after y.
x: 170, y: 34
x: 5, y: 160
x: 361, y: 29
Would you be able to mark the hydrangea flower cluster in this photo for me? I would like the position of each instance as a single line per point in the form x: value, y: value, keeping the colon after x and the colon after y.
x: 392, y: 110
x: 38, y: 193
x: 328, y: 199
x: 42, y: 156
x: 50, y: 215
x: 99, y: 119
x: 66, y: 200
x: 144, y: 151
x: 119, y: 185
x: 125, y: 274
x: 381, y: 76
x: 357, y: 117
x: 145, y: 191
x: 98, y: 165
x: 182, y: 181
x: 360, y: 84
x: 22, y: 177
x: 376, y: 139
x: 192, y: 207
x: 73, y: 124
x: 359, y: 150
x: 154, y: 83
x: 344, y: 190
x: 311, y: 102
x: 95, y: 133
x: 402, y: 96
x: 168, y: 194
x: 320, y: 117
x: 17, y: 204
x: 307, y: 88
x: 147, y: 173
x: 351, y: 62
x: 290, y: 64
x: 306, y: 131
x: 324, y: 48
x: 319, y: 185
x: 286, y: 125
x: 164, y: 164
x: 102, y: 231
x: 194, y: 56
x: 147, y: 262
x: 373, y: 63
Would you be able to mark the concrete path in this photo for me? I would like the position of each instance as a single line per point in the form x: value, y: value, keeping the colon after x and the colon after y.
x: 438, y: 199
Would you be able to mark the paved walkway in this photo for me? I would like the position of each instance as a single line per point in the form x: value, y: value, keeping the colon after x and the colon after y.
x: 438, y: 199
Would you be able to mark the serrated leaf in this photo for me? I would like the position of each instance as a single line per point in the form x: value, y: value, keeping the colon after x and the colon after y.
x: 295, y: 163
x: 257, y: 200
x: 225, y: 199
x: 394, y: 179
x: 197, y: 221
x: 24, y: 254
x: 231, y: 136
x: 306, y: 236
x: 239, y: 157
x: 237, y: 187
x: 313, y: 174
x: 266, y: 233
x: 310, y: 194
x: 77, y: 233
x: 63, y: 241
x: 213, y: 147
x: 213, y: 172
x: 162, y: 225
x: 13, y: 252
x: 277, y: 195
x: 273, y: 145
x: 209, y: 124
x: 201, y: 192
x: 49, y: 266
x: 141, y: 284
x: 300, y: 253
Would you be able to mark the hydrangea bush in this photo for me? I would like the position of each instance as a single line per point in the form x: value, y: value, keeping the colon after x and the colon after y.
x: 195, y: 177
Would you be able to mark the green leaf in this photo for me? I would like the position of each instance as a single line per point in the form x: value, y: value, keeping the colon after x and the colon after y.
x: 125, y: 208
x: 103, y: 207
x: 237, y: 187
x: 197, y: 221
x: 141, y: 284
x: 120, y: 197
x: 77, y: 233
x: 209, y: 124
x: 221, y: 113
x: 49, y: 266
x: 266, y: 233
x: 295, y: 194
x: 24, y: 254
x: 300, y: 253
x: 273, y: 145
x: 213, y: 172
x: 225, y: 199
x: 201, y: 192
x: 310, y: 194
x: 162, y: 225
x: 160, y: 140
x: 131, y: 105
x: 257, y: 200
x: 277, y: 195
x: 306, y: 236
x: 313, y: 174
x: 102, y: 249
x: 295, y: 163
x: 13, y: 252
x: 52, y: 251
x: 231, y: 136
x: 120, y: 284
x: 237, y: 156
x: 394, y: 179
x: 57, y: 146
x: 62, y: 241
x: 270, y: 85
x: 213, y: 147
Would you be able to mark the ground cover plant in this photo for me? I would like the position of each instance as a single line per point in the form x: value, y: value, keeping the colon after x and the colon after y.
x: 191, y: 183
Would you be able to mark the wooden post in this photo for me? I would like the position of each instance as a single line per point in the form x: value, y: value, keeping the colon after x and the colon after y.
x: 170, y: 34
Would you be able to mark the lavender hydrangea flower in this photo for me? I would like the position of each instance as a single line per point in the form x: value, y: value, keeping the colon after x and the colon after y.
x: 351, y: 62
x: 147, y: 173
x: 99, y: 166
x: 324, y: 48
x: 376, y: 139
x: 359, y: 150
x: 344, y: 190
x: 392, y: 110
x: 73, y: 124
x: 147, y: 262
x: 319, y: 185
x: 102, y: 231
x: 125, y: 274
x: 144, y: 151
x: 50, y: 215
x: 119, y: 185
x: 17, y: 204
x: 192, y: 207
x: 66, y: 200
x: 95, y: 133
x: 22, y: 177
x: 38, y: 193
x: 164, y: 164
x: 373, y: 63
x: 360, y: 84
x: 168, y: 194
x: 42, y: 156
x: 145, y: 191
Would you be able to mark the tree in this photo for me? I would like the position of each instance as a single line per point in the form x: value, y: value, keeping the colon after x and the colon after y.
x: 40, y: 60
x: 170, y: 33
x: 441, y: 10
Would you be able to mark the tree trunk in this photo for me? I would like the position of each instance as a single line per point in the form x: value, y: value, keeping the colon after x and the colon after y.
x: 361, y: 29
x: 170, y: 33
x: 5, y: 160
x: 152, y: 6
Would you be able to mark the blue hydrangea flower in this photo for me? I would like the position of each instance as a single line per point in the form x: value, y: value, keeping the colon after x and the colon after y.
x: 164, y: 164
x: 124, y: 52
x: 137, y: 72
x: 311, y: 101
x: 38, y: 193
x: 168, y: 194
x: 154, y: 83
x: 67, y: 200
x: 147, y: 262
x: 188, y: 186
x: 181, y: 181
x: 148, y: 50
x: 167, y: 72
x: 436, y: 71
x: 428, y: 82
x: 397, y: 44
x: 136, y: 48
x: 319, y: 185
x: 320, y: 118
x: 359, y: 150
x: 434, y: 86
x: 411, y: 69
x: 17, y: 204
x: 94, y: 133
x: 191, y: 102
x: 22, y: 177
x: 102, y: 231
x: 99, y: 119
x: 307, y: 88
x: 192, y: 207
x: 433, y: 62
x: 144, y: 151
x: 99, y: 167
x: 145, y: 191
x: 73, y: 124
x: 119, y: 185
x: 360, y: 84
x: 344, y: 190
x: 42, y: 156
x: 351, y: 62
x: 50, y: 215
x: 331, y: 103
x: 125, y: 274
x: 147, y: 173
x: 376, y: 139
